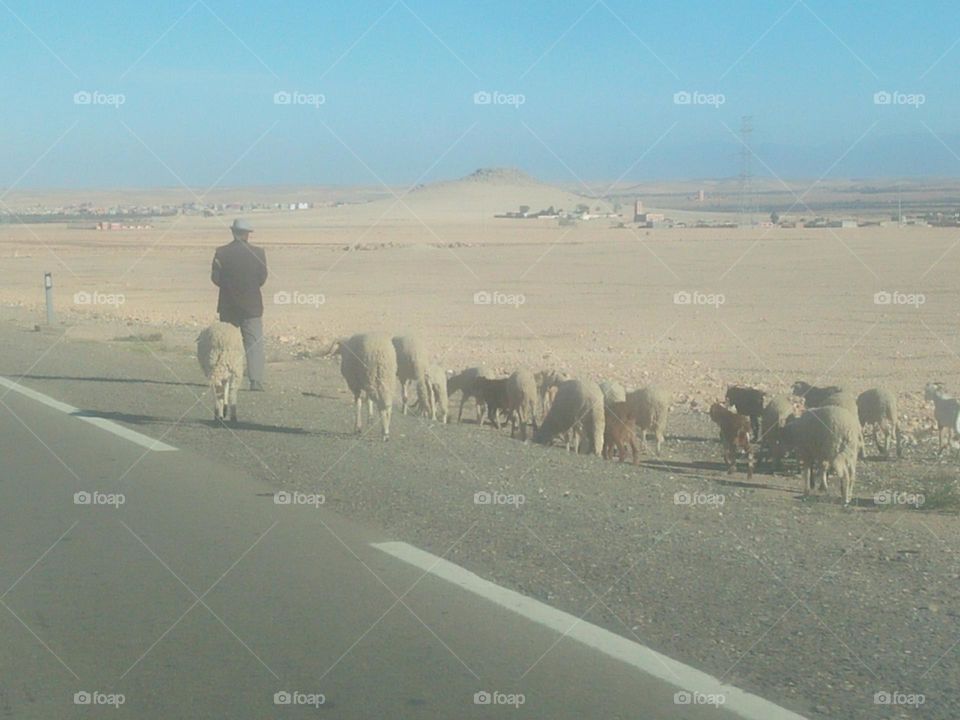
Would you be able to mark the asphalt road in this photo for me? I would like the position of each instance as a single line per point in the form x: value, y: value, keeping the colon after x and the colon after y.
x: 184, y: 590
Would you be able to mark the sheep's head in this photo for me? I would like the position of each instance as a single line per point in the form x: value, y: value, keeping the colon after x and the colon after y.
x: 717, y: 411
x: 801, y: 388
x: 932, y: 390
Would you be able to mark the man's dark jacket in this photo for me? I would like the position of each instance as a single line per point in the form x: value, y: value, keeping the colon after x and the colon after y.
x: 239, y: 270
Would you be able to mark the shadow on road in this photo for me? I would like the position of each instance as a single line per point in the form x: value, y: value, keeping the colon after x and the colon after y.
x: 137, y: 381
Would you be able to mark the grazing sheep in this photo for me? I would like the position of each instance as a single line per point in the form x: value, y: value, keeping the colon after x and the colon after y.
x: 840, y: 399
x: 222, y: 359
x: 613, y: 392
x: 522, y: 399
x: 735, y: 436
x: 412, y: 364
x: 578, y: 407
x: 548, y: 381
x: 437, y: 389
x: 514, y: 396
x: 747, y: 401
x: 465, y: 383
x: 650, y: 406
x: 826, y: 439
x: 775, y: 416
x: 814, y: 396
x: 619, y: 430
x: 878, y: 407
x: 369, y: 365
x: 946, y: 410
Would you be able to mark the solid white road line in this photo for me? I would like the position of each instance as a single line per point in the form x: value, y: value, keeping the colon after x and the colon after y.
x: 102, y: 423
x: 649, y: 661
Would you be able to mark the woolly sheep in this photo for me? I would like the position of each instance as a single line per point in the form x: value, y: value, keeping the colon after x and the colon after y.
x: 522, y: 399
x: 946, y: 410
x: 650, y: 406
x: 619, y: 431
x: 775, y: 416
x: 437, y: 389
x: 878, y: 407
x: 222, y: 359
x: 412, y: 363
x: 826, y: 439
x: 577, y: 407
x: 840, y: 399
x: 812, y: 395
x: 734, y: 435
x: 613, y: 392
x: 368, y: 363
x: 747, y: 401
x: 465, y: 383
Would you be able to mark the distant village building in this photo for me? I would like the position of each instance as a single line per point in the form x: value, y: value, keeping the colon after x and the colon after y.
x: 638, y: 211
x: 648, y: 218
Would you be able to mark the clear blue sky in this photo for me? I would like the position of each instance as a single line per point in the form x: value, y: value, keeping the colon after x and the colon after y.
x: 398, y: 80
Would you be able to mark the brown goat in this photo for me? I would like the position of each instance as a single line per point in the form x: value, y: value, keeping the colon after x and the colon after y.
x: 619, y: 430
x: 734, y: 434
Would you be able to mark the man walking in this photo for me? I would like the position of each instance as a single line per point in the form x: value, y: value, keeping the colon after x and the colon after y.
x: 240, y: 270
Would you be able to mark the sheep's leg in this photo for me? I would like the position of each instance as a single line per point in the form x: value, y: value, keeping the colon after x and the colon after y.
x: 403, y: 396
x: 385, y: 412
x: 216, y: 402
x: 358, y: 402
x: 633, y: 448
x: 806, y: 478
x: 749, y: 463
x: 463, y: 400
x: 230, y: 394
x: 659, y: 441
x: 823, y: 478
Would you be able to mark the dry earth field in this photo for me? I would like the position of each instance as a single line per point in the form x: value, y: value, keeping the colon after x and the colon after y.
x: 599, y: 301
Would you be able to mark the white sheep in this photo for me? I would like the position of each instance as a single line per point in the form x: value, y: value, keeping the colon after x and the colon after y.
x: 578, y: 409
x: 465, y: 382
x: 651, y: 407
x: 841, y: 398
x: 222, y: 358
x: 613, y: 392
x: 437, y: 391
x: 522, y: 399
x: 368, y: 363
x: 946, y: 410
x: 412, y: 363
x: 878, y: 407
x: 826, y: 439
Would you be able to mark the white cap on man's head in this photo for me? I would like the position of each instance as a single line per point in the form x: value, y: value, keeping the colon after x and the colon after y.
x: 241, y: 225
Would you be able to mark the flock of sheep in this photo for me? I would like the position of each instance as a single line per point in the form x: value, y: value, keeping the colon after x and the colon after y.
x: 600, y: 419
